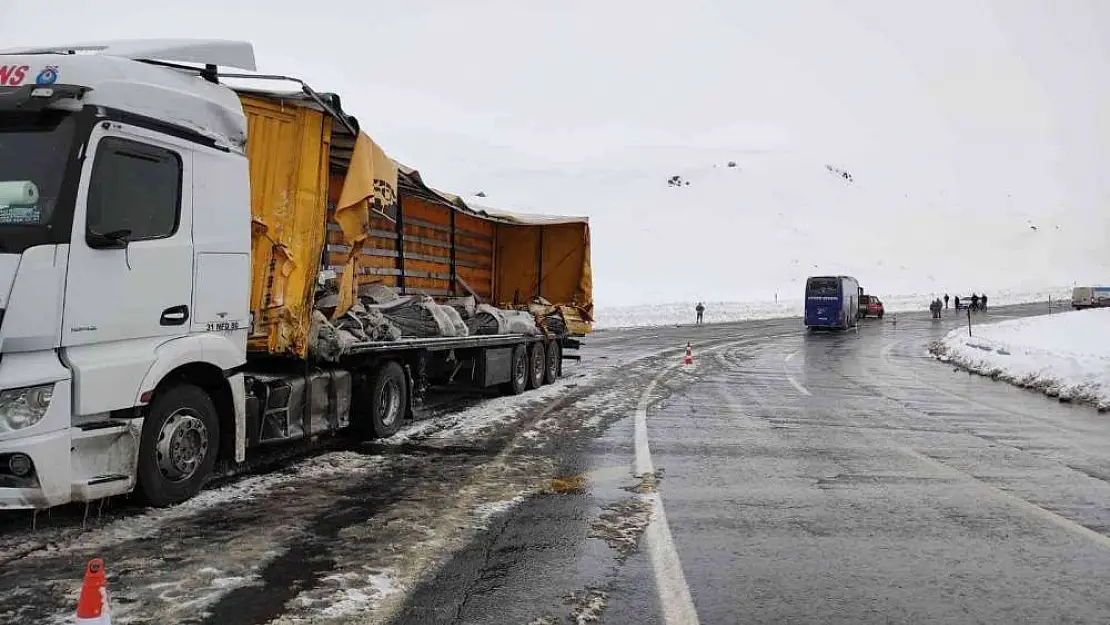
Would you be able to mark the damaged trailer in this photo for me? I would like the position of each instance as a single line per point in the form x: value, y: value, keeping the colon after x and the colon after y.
x: 272, y: 275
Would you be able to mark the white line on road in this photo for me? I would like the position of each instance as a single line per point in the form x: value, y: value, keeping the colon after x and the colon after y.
x: 795, y: 384
x: 789, y: 378
x: 1043, y: 513
x: 674, y: 593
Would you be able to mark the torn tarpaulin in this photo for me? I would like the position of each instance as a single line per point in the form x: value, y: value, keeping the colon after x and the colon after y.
x: 487, y: 320
x: 418, y: 316
x: 368, y: 324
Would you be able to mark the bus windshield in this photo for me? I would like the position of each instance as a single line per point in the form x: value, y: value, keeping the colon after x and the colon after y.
x: 823, y: 287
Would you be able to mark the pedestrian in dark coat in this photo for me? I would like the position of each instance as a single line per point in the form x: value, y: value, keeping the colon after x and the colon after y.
x: 984, y: 300
x: 974, y: 302
x: 946, y: 301
x: 956, y: 302
x: 700, y: 309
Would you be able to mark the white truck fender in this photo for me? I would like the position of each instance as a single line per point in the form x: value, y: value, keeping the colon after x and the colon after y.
x: 214, y: 349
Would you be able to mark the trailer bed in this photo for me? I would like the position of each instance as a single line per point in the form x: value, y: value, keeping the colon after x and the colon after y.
x: 439, y: 343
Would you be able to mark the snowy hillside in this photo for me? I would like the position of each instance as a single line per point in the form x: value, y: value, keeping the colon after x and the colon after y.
x: 749, y: 232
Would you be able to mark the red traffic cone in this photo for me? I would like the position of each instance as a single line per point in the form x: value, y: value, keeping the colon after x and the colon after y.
x: 92, y: 606
x: 689, y: 359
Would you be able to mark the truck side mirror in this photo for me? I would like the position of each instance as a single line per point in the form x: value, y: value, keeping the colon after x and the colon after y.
x: 114, y: 240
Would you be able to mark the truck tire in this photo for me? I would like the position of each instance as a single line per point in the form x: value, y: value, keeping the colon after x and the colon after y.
x: 388, y: 397
x: 519, y: 372
x: 554, y: 362
x: 178, y: 445
x: 537, y: 364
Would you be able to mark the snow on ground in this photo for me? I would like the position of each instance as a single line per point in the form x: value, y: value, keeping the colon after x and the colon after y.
x: 1065, y: 355
x: 726, y: 312
x: 489, y: 413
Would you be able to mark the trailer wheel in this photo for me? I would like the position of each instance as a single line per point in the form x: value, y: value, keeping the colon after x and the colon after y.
x: 387, y: 400
x: 178, y: 445
x: 519, y: 381
x: 537, y: 364
x: 554, y: 362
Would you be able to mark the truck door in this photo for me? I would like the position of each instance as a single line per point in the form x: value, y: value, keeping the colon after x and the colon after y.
x: 130, y: 278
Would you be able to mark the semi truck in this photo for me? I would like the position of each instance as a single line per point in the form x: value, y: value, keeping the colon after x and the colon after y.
x: 167, y: 218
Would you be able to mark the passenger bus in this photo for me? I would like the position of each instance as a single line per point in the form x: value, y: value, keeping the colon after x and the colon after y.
x: 832, y: 302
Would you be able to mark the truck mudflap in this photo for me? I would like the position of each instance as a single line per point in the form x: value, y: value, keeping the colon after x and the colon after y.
x: 568, y: 343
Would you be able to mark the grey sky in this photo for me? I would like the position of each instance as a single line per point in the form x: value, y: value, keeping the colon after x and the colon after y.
x: 996, y: 106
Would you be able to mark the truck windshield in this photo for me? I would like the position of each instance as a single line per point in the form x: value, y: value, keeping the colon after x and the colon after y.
x: 34, y: 148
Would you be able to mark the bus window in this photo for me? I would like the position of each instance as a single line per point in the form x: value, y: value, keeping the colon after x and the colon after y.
x: 823, y: 287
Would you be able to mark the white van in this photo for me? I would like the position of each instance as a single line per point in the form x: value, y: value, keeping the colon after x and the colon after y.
x: 1090, y: 297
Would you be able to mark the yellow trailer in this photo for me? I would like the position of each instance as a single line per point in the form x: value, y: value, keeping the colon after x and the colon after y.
x: 323, y: 198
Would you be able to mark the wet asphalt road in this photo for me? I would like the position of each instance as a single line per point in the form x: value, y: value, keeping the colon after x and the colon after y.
x: 843, y: 478
x: 829, y: 478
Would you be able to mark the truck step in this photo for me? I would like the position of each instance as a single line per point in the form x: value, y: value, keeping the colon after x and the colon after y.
x: 100, y: 428
x: 104, y: 479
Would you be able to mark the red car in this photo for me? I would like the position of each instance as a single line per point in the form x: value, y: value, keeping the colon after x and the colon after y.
x: 870, y: 306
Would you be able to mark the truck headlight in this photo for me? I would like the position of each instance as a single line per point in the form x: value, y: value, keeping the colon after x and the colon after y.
x: 24, y: 407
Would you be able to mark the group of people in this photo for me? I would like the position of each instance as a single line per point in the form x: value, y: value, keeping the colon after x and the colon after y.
x: 978, y: 302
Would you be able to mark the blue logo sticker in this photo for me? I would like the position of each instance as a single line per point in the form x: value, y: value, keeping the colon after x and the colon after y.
x: 48, y: 76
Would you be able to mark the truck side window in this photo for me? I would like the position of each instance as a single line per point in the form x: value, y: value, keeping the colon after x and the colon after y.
x: 134, y: 187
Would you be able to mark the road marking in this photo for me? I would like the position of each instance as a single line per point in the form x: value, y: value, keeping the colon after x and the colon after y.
x: 1043, y: 513
x: 670, y: 582
x: 674, y: 593
x: 789, y: 378
x: 795, y: 384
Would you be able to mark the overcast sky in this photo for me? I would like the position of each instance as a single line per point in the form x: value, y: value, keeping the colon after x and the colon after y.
x: 1002, y: 104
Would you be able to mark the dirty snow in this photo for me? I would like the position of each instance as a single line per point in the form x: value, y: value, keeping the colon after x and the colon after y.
x: 1066, y: 355
x: 789, y: 305
x: 357, y: 594
x: 489, y: 413
x: 491, y: 509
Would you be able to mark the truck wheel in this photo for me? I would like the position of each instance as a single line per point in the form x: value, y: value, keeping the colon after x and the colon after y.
x: 537, y: 364
x: 554, y: 361
x: 178, y: 446
x: 519, y: 381
x: 387, y: 401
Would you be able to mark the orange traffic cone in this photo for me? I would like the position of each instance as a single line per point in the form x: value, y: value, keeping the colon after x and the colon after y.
x: 92, y: 606
x: 689, y: 359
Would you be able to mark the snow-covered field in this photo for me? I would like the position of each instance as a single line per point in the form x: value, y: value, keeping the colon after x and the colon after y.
x: 1065, y: 355
x: 792, y: 306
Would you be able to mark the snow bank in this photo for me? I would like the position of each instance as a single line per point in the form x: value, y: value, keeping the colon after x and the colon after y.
x: 1066, y: 355
x: 724, y: 312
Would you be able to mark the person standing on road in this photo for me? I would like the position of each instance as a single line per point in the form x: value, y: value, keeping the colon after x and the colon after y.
x: 946, y: 301
x: 984, y: 301
x: 701, y: 312
x: 956, y: 302
x: 974, y: 302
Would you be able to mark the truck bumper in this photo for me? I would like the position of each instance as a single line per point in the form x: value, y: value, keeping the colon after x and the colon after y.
x: 49, y: 483
x: 47, y: 443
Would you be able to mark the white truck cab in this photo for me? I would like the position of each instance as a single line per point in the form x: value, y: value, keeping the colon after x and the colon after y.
x: 124, y: 270
x: 139, y: 347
